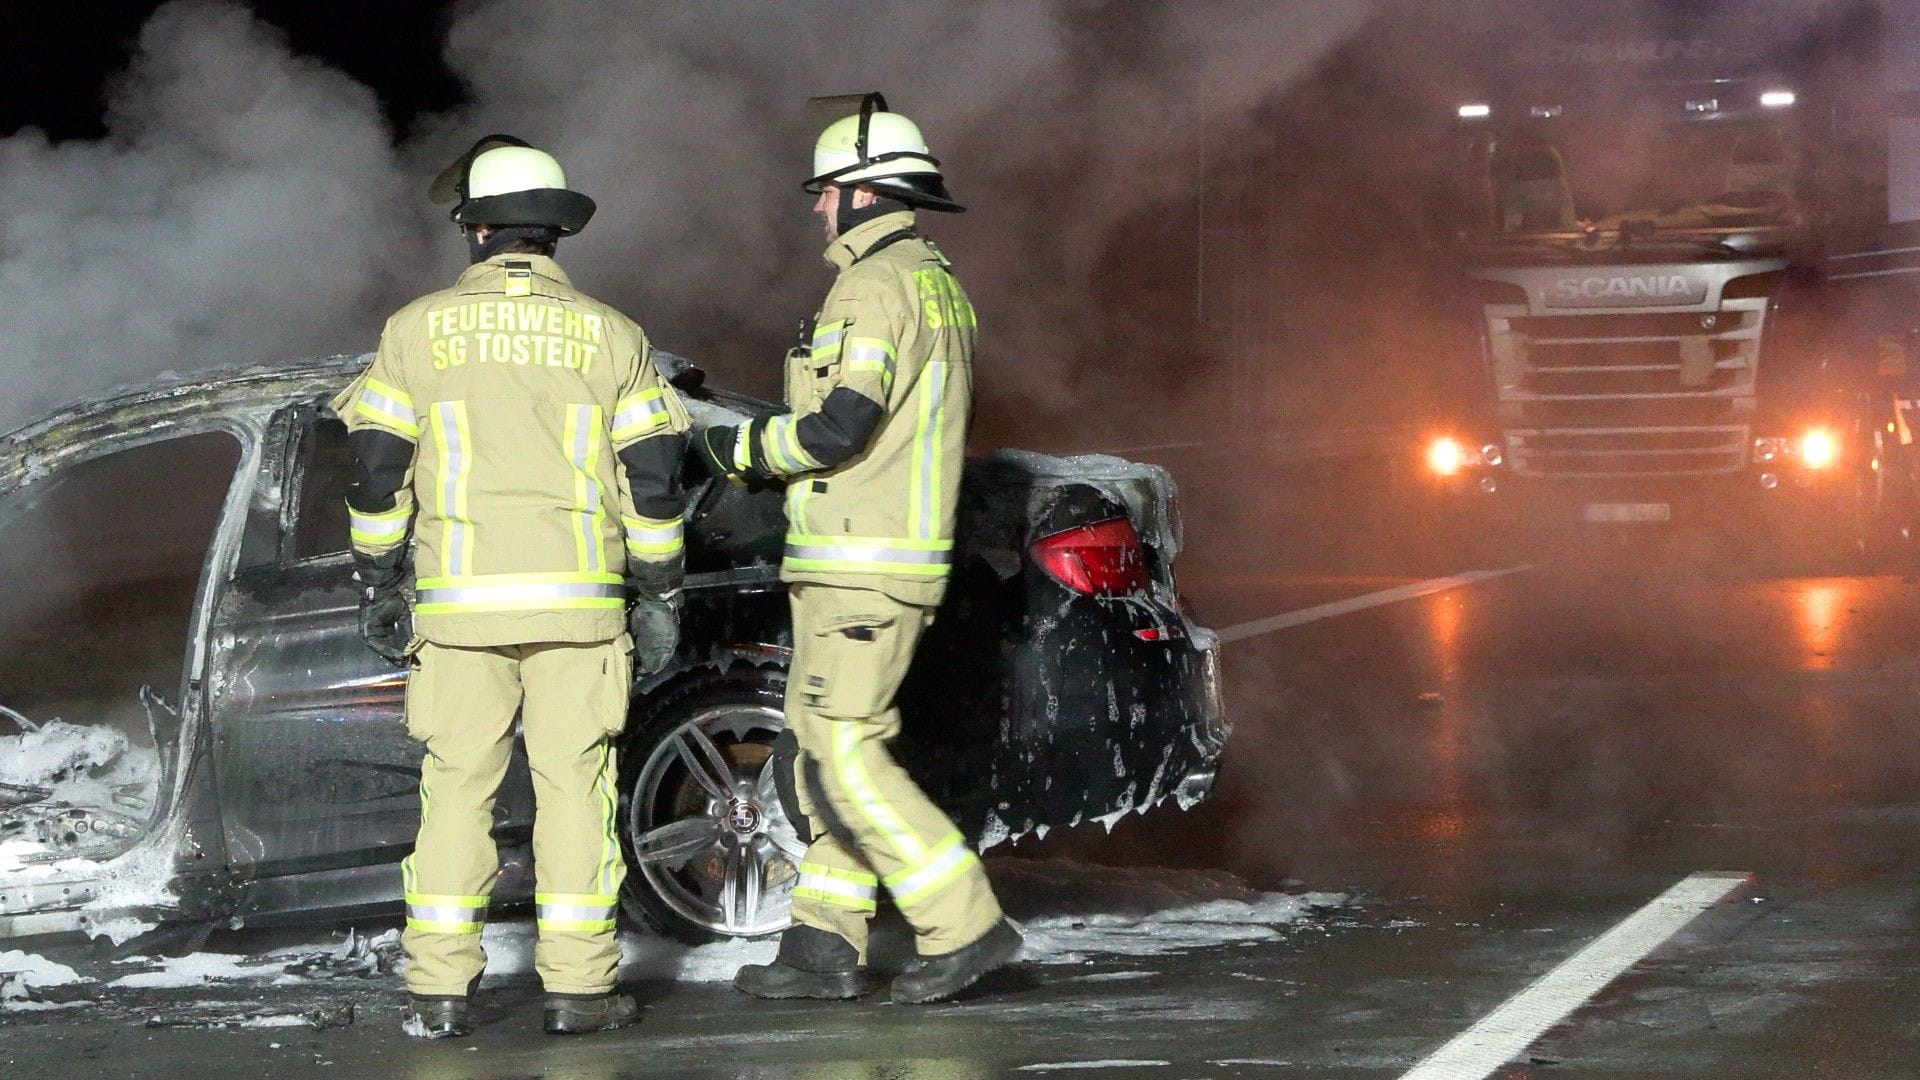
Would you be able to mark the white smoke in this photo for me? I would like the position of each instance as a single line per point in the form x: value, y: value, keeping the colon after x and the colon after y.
x: 249, y: 205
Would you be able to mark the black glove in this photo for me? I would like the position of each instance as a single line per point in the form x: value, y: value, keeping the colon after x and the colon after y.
x: 654, y: 622
x: 713, y: 447
x: 386, y: 619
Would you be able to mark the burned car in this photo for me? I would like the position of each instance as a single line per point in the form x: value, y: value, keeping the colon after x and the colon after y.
x: 191, y: 727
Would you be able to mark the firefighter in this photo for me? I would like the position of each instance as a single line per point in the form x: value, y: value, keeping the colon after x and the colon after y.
x: 878, y: 391
x: 514, y: 439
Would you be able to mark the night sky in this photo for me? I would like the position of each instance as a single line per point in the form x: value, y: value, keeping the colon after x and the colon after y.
x: 62, y: 56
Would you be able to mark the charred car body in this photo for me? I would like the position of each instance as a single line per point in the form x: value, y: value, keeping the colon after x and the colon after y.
x: 272, y: 778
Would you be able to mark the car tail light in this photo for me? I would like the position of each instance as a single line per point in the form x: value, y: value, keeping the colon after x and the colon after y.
x: 1101, y: 559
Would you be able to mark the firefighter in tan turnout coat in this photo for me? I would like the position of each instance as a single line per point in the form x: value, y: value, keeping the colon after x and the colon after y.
x: 872, y: 446
x: 516, y: 432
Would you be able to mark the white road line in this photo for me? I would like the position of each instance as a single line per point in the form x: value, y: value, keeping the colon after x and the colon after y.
x: 1508, y: 1030
x: 1362, y: 603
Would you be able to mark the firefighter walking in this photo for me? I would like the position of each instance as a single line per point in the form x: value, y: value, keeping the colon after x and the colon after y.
x: 879, y: 392
x: 515, y: 435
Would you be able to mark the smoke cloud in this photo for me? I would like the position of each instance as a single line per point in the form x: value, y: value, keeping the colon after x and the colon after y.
x: 249, y: 205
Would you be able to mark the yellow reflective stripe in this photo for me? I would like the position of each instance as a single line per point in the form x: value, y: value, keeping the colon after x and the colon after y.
x: 827, y: 336
x: 381, y: 529
x: 853, y: 776
x: 783, y: 446
x: 387, y: 406
x: 452, y: 442
x: 435, y: 913
x: 950, y: 859
x: 923, y: 498
x: 829, y: 896
x: 869, y: 554
x: 742, y: 459
x: 637, y: 414
x: 857, y: 877
x: 575, y: 912
x: 832, y: 885
x: 650, y: 536
x: 520, y: 592
x: 581, y: 431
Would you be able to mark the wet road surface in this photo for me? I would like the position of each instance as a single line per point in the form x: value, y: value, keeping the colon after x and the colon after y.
x: 1495, y: 774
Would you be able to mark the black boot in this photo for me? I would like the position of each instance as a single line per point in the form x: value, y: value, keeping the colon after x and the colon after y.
x: 932, y: 978
x: 812, y: 963
x: 584, y: 1014
x: 438, y: 1017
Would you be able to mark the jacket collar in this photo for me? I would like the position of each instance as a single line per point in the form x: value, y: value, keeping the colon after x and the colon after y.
x: 857, y: 241
x: 485, y: 276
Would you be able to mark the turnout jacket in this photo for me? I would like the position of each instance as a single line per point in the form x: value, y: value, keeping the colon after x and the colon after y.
x: 879, y: 393
x: 519, y: 433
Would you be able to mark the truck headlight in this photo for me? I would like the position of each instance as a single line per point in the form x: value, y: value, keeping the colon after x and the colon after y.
x: 1819, y: 449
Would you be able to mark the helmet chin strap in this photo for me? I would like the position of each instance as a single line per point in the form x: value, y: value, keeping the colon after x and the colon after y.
x: 504, y: 236
x: 849, y: 218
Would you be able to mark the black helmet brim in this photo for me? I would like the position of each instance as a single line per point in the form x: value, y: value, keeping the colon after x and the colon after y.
x: 556, y: 208
x: 923, y: 191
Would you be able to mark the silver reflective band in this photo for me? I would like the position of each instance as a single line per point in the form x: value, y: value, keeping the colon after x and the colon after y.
x: 384, y: 528
x: 475, y: 594
x: 436, y: 914
x: 907, y: 885
x: 838, y: 553
x: 644, y: 412
x: 666, y: 535
x: 573, y: 913
x: 583, y: 448
x: 836, y: 887
x: 826, y: 339
x: 864, y: 351
x: 385, y: 406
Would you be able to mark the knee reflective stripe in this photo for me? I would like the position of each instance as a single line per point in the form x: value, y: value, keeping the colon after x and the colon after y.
x: 581, y: 433
x: 437, y: 913
x: 841, y: 888
x: 869, y: 554
x: 950, y: 858
x: 923, y: 497
x: 380, y: 530
x: 638, y: 414
x: 652, y: 538
x: 520, y: 592
x: 388, y: 406
x: 577, y: 913
x: 451, y: 440
x: 860, y: 790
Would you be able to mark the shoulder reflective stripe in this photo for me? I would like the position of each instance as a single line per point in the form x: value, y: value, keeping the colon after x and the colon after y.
x: 923, y: 500
x: 646, y: 536
x: 829, y: 335
x: 853, y: 778
x: 582, y: 431
x: 451, y: 440
x: 511, y: 592
x: 951, y: 858
x: 638, y: 414
x: 389, y: 407
x: 376, y: 529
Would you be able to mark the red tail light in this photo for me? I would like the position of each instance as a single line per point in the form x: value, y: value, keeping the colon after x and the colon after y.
x: 1101, y: 559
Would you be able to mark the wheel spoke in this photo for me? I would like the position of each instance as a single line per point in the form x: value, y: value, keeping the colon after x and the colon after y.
x: 703, y: 760
x: 753, y: 874
x: 766, y: 788
x: 673, y: 844
x: 730, y: 890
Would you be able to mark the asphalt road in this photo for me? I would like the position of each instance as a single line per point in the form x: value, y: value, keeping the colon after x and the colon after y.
x: 1496, y: 774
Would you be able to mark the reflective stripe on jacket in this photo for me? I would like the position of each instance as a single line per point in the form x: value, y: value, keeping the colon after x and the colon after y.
x: 518, y: 395
x: 897, y: 330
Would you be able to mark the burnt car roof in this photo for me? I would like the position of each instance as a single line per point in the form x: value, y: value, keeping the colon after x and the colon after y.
x: 163, y: 403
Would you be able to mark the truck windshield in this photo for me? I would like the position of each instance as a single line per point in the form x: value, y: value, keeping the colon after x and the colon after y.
x: 1630, y: 180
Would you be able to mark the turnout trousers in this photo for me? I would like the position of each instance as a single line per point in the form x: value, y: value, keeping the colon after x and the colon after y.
x: 461, y: 702
x: 851, y: 649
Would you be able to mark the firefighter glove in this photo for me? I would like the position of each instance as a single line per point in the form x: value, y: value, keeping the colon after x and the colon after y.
x: 654, y: 622
x: 386, y: 619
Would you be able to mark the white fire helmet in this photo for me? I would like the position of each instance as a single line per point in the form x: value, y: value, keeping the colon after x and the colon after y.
x: 883, y: 149
x: 503, y: 181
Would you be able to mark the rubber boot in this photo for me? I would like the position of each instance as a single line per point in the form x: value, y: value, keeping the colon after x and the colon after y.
x: 933, y: 978
x: 438, y: 1017
x: 584, y: 1014
x: 812, y: 963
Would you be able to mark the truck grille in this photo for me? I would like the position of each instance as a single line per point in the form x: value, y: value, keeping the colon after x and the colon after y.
x: 1626, y: 394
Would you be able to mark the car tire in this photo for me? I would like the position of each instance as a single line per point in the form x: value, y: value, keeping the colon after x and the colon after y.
x: 701, y: 868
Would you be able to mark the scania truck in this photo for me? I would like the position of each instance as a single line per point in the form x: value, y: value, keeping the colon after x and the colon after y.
x: 1678, y: 246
